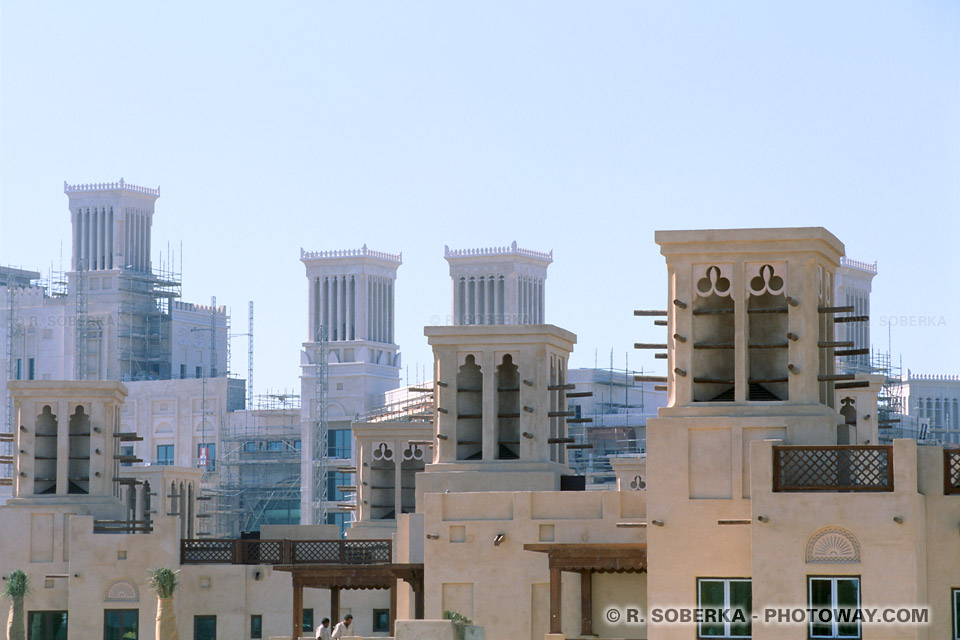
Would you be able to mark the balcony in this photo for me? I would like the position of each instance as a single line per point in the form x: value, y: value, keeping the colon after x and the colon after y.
x: 951, y: 471
x: 285, y: 552
x: 833, y: 468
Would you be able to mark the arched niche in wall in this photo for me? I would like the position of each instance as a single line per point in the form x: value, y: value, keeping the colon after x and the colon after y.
x: 470, y: 410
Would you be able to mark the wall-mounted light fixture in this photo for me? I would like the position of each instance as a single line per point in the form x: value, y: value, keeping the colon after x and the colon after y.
x: 497, y: 539
x: 898, y: 519
x: 763, y: 519
x: 433, y: 536
x: 657, y: 523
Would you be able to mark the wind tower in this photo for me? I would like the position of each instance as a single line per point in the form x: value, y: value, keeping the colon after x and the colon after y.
x: 349, y: 360
x: 500, y: 376
x: 750, y: 355
x: 498, y: 285
x: 122, y: 305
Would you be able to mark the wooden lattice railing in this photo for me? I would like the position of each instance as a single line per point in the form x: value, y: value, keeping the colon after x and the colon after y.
x: 833, y: 468
x: 234, y: 551
x: 951, y: 471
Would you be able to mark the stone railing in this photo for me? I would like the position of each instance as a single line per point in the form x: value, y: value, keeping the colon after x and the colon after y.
x: 870, y: 267
x: 109, y: 186
x: 362, y: 252
x: 513, y: 249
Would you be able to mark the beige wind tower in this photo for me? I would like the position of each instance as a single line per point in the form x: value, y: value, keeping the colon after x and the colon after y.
x: 68, y: 444
x: 498, y: 285
x: 500, y: 408
x: 750, y: 352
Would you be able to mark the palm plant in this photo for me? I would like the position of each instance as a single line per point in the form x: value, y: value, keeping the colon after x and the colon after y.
x: 163, y: 582
x: 16, y: 588
x: 460, y: 622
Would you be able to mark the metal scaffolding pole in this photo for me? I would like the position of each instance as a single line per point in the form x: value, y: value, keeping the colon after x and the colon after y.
x: 80, y: 348
x: 321, y: 435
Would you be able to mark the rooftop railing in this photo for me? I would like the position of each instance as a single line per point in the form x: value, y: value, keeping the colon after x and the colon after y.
x: 833, y: 468
x: 362, y: 252
x: 285, y: 552
x: 109, y: 186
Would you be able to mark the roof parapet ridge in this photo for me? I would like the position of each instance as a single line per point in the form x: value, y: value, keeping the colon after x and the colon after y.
x: 513, y: 249
x: 870, y: 267
x: 362, y: 252
x: 110, y: 186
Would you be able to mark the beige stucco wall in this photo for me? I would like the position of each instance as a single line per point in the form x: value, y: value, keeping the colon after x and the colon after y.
x: 505, y: 587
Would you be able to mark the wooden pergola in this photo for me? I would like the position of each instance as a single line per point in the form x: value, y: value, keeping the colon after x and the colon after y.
x: 587, y: 559
x: 353, y: 576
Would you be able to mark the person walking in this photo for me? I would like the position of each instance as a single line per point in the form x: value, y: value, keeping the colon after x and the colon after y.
x: 343, y: 630
x: 323, y: 631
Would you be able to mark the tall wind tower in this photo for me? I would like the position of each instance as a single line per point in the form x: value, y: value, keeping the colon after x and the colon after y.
x: 498, y: 285
x: 349, y: 360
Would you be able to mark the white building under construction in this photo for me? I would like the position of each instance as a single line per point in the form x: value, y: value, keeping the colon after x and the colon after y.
x: 116, y: 314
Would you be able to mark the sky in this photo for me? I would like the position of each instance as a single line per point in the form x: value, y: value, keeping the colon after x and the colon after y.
x: 580, y: 127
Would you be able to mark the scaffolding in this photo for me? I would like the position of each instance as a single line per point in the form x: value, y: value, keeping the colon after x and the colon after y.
x: 144, y: 323
x: 9, y: 429
x: 259, y: 466
x: 410, y: 404
x: 321, y: 449
x: 81, y: 353
x: 612, y: 428
x: 890, y: 409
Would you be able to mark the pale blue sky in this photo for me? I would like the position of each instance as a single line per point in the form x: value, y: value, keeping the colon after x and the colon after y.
x: 574, y: 126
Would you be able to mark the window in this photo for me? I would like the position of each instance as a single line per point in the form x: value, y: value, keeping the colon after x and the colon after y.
x: 31, y: 369
x: 297, y: 445
x: 120, y: 624
x: 275, y: 445
x: 956, y: 614
x: 341, y: 520
x: 250, y: 447
x: 307, y: 620
x: 165, y: 454
x: 339, y: 443
x: 204, y: 627
x: 336, y: 479
x: 126, y: 450
x: 183, y: 371
x: 732, y: 596
x: 207, y: 456
x: 838, y: 595
x: 256, y: 626
x: 19, y: 369
x: 47, y: 625
x: 199, y: 372
x: 381, y: 620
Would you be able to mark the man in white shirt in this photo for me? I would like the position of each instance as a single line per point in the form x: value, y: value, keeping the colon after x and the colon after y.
x: 323, y: 631
x: 343, y: 630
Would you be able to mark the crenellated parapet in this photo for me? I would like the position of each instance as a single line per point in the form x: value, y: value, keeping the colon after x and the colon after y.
x: 207, y: 309
x: 934, y: 377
